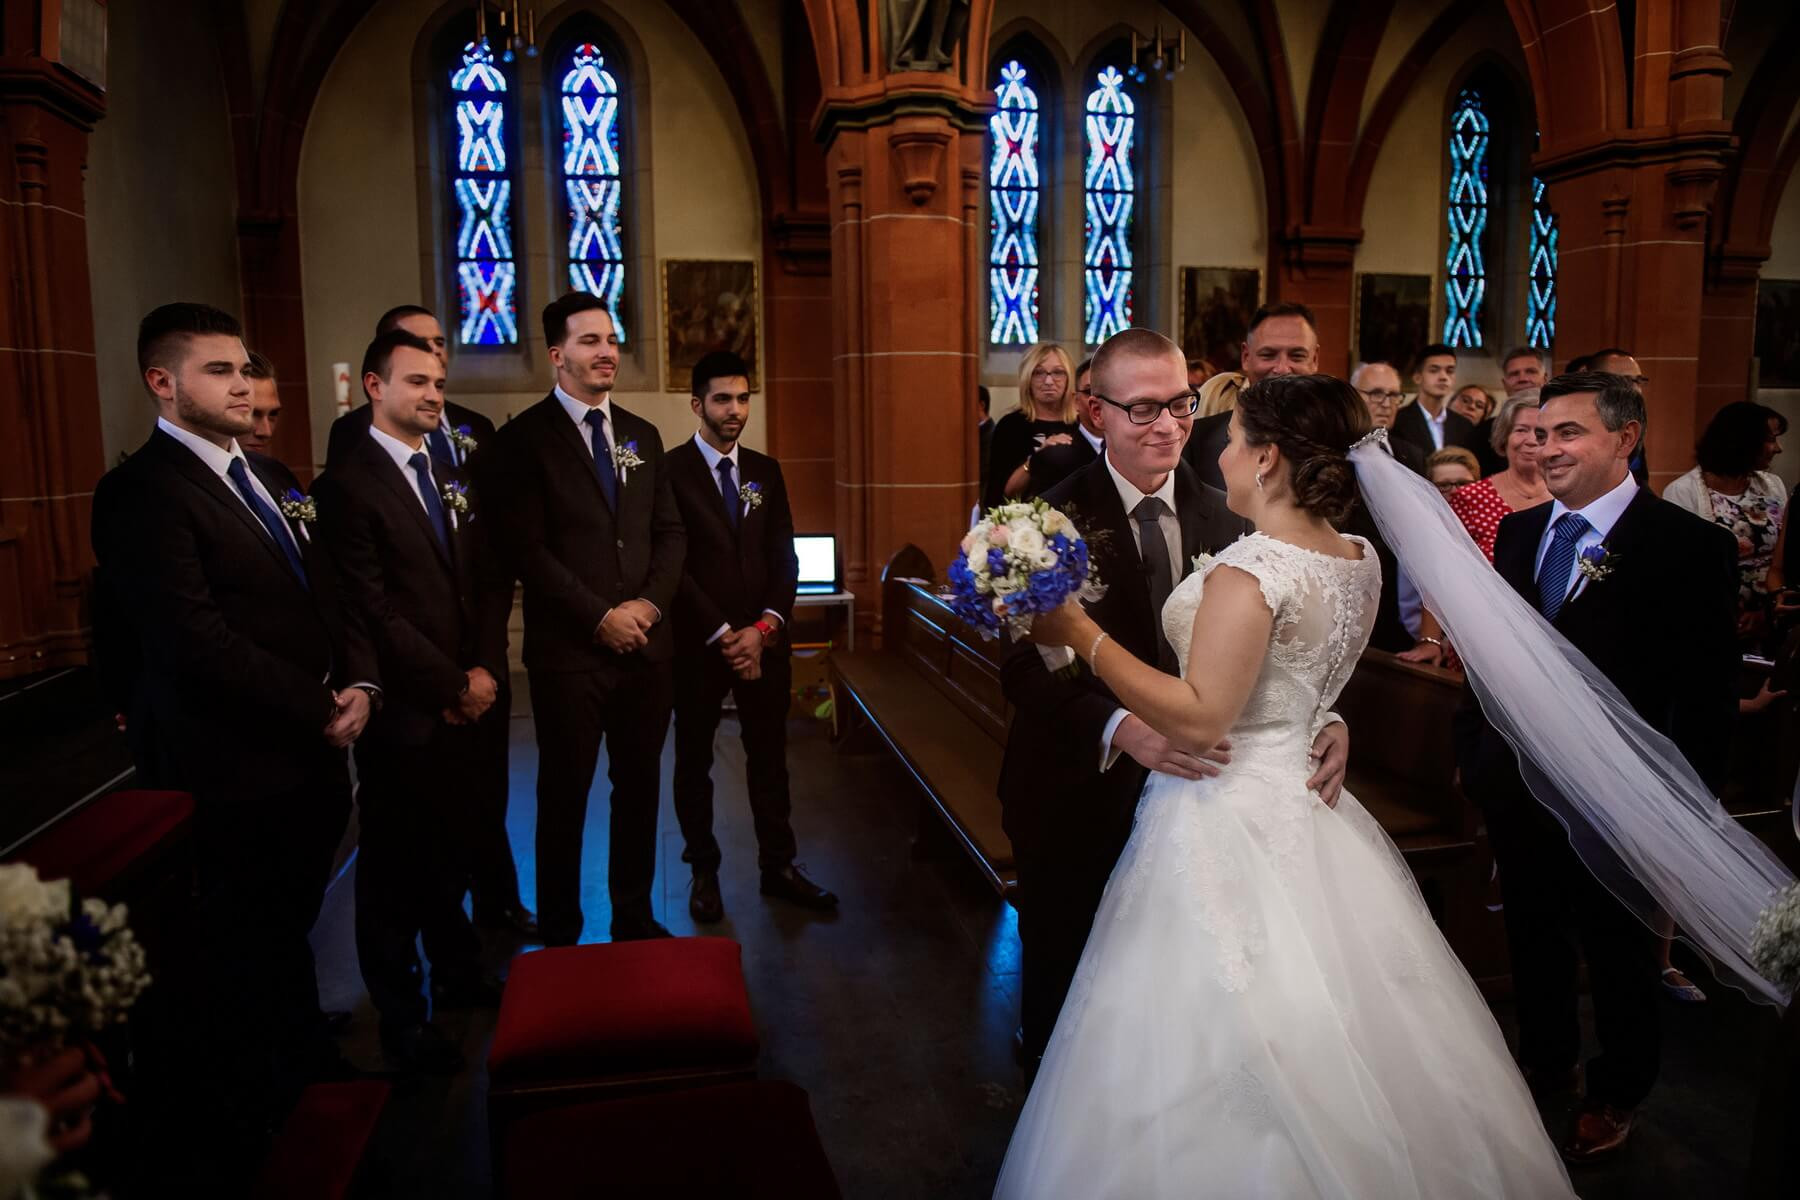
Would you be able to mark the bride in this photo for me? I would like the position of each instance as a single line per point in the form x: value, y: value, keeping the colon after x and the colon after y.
x: 1264, y: 1006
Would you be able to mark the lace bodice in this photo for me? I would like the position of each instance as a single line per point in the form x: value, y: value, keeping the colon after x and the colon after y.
x: 1324, y: 609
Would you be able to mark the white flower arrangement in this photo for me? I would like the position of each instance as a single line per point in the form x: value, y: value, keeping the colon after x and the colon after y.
x: 1199, y: 563
x: 298, y: 506
x: 67, y: 970
x: 751, y: 495
x: 456, y: 496
x: 1775, y: 939
x: 1021, y: 559
x: 626, y: 460
x: 464, y: 442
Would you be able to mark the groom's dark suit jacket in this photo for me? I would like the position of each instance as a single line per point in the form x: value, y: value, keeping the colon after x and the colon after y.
x: 1661, y: 627
x: 1050, y: 776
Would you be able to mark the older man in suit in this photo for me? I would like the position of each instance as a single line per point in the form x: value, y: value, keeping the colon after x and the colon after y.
x: 1075, y: 760
x: 254, y: 683
x: 1282, y: 340
x: 585, y: 509
x: 402, y: 533
x: 737, y: 594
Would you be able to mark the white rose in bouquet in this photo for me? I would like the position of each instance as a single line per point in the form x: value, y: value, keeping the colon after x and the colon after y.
x: 1028, y: 541
x: 25, y: 897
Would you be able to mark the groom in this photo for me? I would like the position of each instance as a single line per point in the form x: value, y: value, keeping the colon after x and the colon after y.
x: 1660, y: 625
x: 1075, y: 760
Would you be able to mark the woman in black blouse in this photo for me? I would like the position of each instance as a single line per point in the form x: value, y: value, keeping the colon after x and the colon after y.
x: 1038, y: 438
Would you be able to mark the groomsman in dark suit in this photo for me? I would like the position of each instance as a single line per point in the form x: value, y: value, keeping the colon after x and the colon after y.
x: 589, y: 521
x: 1076, y: 761
x: 403, y: 535
x: 456, y: 443
x: 253, y: 680
x: 736, y: 596
x: 1428, y: 424
x: 1661, y: 626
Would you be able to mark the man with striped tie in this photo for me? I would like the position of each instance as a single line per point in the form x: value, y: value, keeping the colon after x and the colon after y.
x: 1648, y: 592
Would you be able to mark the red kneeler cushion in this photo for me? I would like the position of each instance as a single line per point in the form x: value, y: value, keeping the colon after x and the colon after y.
x: 94, y: 845
x: 743, y: 1140
x: 574, y: 1013
x: 319, y: 1147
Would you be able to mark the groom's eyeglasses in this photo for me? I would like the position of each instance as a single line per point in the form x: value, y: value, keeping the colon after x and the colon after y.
x: 1145, y: 412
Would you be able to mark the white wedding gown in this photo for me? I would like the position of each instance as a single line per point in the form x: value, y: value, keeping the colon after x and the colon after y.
x: 1264, y: 1007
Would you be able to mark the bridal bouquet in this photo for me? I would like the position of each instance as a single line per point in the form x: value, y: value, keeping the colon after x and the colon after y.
x: 1021, y: 559
x: 68, y: 970
x: 1775, y: 940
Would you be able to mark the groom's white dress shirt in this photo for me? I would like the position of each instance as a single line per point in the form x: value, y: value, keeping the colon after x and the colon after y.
x: 1601, y: 516
x: 1170, y: 524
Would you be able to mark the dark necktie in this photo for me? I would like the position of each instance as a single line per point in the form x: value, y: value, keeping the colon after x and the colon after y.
x: 272, y: 521
x: 443, y: 451
x: 603, y: 459
x: 1553, y: 577
x: 1155, y: 551
x: 729, y: 493
x: 434, y: 507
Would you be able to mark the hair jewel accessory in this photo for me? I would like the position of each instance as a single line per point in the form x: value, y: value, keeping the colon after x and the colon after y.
x: 1375, y: 437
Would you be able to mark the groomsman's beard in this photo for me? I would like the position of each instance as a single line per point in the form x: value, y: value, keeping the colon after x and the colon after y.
x: 719, y: 434
x: 225, y: 424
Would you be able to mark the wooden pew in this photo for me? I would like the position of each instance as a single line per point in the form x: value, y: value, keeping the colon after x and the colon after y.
x: 932, y: 691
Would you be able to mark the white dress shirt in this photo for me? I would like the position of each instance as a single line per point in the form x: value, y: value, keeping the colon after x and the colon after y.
x: 218, y: 460
x: 712, y: 458
x: 1170, y: 524
x: 1601, y: 516
x: 579, y: 410
x: 402, y: 455
x: 1094, y: 439
x: 1434, y: 425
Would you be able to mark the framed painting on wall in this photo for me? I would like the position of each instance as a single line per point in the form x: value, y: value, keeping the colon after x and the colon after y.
x: 1778, y: 333
x: 1216, y: 306
x: 1393, y: 318
x: 708, y: 305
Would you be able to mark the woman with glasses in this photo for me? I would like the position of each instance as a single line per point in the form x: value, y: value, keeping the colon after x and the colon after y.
x: 1452, y: 469
x: 1037, y: 445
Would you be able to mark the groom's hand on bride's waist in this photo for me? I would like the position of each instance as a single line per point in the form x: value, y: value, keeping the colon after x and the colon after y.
x: 1152, y: 750
x: 1332, y: 750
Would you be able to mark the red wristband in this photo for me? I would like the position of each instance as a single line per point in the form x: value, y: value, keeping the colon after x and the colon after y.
x: 764, y: 628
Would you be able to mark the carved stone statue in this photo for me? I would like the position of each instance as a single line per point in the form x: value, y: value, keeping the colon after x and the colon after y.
x: 923, y: 34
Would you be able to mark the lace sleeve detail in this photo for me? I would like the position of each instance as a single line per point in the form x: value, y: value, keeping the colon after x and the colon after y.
x: 1277, y: 573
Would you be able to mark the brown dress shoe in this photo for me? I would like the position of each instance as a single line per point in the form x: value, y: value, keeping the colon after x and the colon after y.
x: 705, y: 904
x: 1599, y: 1134
x: 787, y: 883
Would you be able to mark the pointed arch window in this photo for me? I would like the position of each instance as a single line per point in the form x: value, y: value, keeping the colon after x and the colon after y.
x: 481, y: 195
x: 1465, y: 263
x: 1540, y: 298
x: 1110, y: 182
x: 593, y: 182
x: 1015, y: 190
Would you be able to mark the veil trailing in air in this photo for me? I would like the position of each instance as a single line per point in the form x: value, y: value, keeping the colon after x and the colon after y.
x: 1638, y: 815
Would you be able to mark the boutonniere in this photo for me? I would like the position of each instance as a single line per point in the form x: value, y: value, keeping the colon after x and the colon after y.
x: 751, y: 495
x: 461, y: 439
x: 626, y: 460
x: 1198, y: 563
x: 456, y: 496
x: 1595, y: 563
x: 297, y: 506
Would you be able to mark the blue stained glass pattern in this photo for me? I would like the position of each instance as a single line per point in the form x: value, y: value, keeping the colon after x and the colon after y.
x: 1465, y: 274
x: 1111, y: 186
x: 481, y: 189
x: 1540, y: 300
x: 591, y: 179
x: 1013, y: 192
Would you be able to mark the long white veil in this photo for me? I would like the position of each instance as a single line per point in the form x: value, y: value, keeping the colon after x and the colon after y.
x: 1638, y: 815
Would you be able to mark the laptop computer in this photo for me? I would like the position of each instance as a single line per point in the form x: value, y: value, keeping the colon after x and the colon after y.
x: 817, y: 553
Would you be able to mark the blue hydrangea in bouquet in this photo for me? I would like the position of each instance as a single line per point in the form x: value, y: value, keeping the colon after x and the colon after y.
x: 1021, y: 559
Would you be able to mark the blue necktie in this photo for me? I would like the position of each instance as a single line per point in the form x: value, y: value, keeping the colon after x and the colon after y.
x: 434, y: 507
x: 603, y: 459
x: 443, y: 451
x: 271, y: 520
x: 728, y: 491
x: 1553, y: 576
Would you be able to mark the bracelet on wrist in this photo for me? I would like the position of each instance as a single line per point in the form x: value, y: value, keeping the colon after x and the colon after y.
x: 1095, y: 648
x: 1431, y: 641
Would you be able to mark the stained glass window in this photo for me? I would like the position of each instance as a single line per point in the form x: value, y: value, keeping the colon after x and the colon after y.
x: 1540, y: 301
x: 1013, y: 193
x: 1465, y: 274
x: 591, y: 178
x: 481, y: 190
x: 1111, y: 185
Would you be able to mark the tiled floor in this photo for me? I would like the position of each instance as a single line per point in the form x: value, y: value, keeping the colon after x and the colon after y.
x: 897, y: 1014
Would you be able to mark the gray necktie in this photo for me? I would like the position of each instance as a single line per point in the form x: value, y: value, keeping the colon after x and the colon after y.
x: 1157, y: 569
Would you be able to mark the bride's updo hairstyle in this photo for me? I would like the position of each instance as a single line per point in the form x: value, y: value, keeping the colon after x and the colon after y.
x: 1313, y: 420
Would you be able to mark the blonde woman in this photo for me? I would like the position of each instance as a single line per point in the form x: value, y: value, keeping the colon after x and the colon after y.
x: 1044, y: 420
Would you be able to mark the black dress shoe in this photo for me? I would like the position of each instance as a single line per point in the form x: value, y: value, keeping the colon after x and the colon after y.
x: 787, y: 883
x: 511, y: 918
x: 637, y: 929
x: 422, y: 1047
x: 476, y: 989
x: 704, y: 902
